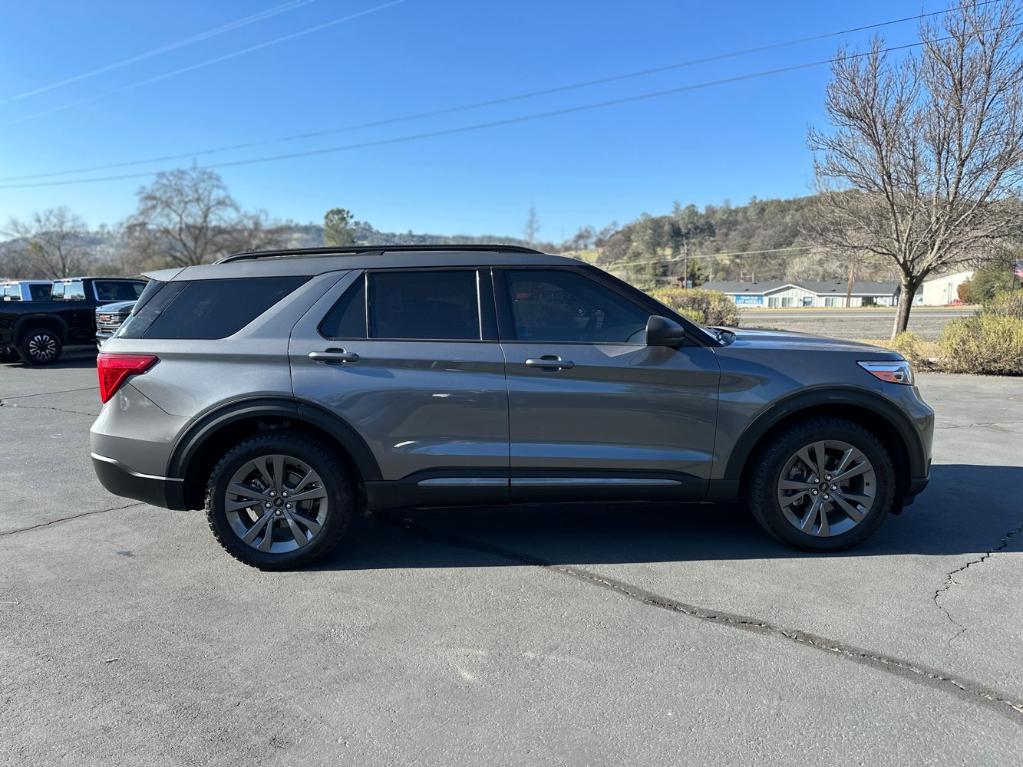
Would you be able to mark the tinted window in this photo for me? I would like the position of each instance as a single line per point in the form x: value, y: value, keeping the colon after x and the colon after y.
x: 39, y: 292
x: 207, y: 308
x: 433, y: 305
x: 108, y: 292
x: 562, y: 306
x: 347, y: 318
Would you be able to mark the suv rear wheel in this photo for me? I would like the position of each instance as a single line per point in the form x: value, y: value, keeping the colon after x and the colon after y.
x: 823, y: 485
x: 279, y: 500
x: 40, y: 346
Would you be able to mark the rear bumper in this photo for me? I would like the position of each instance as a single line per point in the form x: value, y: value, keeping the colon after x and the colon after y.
x: 166, y: 492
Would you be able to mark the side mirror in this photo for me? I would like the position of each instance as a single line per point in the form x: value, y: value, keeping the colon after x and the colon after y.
x: 660, y: 331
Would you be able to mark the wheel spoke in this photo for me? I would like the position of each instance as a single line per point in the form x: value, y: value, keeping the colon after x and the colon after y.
x: 854, y: 513
x: 296, y: 532
x: 844, y: 460
x: 794, y: 484
x: 261, y: 466
x: 811, y: 516
x: 311, y: 524
x: 304, y: 481
x: 822, y: 458
x: 253, y: 531
x: 804, y: 456
x: 861, y: 468
x: 250, y: 493
x: 308, y: 495
x: 268, y: 534
x: 278, y: 472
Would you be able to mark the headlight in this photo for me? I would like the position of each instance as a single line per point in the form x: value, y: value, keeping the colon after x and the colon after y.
x: 900, y: 372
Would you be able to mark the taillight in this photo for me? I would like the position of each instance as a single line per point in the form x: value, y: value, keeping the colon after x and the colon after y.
x: 115, y: 369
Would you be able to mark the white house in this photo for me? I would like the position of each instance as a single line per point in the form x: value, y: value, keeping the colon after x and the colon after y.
x: 941, y: 291
x: 807, y: 293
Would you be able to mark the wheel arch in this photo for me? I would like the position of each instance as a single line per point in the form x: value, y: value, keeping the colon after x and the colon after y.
x: 48, y: 321
x: 205, y: 441
x: 867, y: 409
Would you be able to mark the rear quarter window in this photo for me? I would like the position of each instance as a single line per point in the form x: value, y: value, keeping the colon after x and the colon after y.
x: 206, y: 309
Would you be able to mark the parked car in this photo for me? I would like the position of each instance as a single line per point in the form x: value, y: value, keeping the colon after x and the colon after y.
x: 38, y: 331
x: 282, y: 390
x: 110, y: 317
x: 25, y: 290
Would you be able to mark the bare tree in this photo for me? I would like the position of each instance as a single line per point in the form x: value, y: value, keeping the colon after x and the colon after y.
x: 50, y: 244
x: 188, y: 217
x: 532, y: 227
x: 926, y: 153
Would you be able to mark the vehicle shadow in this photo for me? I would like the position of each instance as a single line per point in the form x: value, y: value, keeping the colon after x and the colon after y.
x: 965, y: 509
x: 70, y: 361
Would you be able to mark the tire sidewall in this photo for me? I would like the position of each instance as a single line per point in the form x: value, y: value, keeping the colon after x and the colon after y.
x: 768, y: 510
x: 335, y: 480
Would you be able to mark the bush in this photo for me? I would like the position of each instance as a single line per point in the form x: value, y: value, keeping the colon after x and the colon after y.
x: 985, y: 343
x: 909, y: 345
x: 1006, y: 304
x: 707, y: 307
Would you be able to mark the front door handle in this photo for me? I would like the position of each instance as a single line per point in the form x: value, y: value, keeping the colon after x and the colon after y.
x: 550, y: 362
x: 334, y: 355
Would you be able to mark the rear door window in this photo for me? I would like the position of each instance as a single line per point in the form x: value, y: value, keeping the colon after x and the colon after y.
x: 347, y: 318
x: 39, y: 292
x: 109, y: 291
x: 206, y: 309
x: 436, y: 305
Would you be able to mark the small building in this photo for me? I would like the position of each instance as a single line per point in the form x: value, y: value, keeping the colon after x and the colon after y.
x: 832, y: 293
x: 941, y: 291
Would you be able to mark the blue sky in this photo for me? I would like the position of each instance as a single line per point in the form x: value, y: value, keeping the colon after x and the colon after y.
x: 589, y: 167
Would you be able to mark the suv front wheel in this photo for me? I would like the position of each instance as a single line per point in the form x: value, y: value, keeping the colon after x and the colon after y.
x: 823, y: 485
x: 279, y: 500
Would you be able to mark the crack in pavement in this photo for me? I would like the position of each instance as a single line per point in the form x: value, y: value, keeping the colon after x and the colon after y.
x: 5, y: 533
x: 950, y: 580
x: 17, y: 406
x: 45, y: 393
x: 966, y: 689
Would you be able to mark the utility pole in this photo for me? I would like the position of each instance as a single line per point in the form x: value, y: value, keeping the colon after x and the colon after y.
x: 849, y: 286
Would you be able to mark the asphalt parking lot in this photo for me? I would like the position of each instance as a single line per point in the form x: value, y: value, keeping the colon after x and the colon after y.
x: 635, y: 634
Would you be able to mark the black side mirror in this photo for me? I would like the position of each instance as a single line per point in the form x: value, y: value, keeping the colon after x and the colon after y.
x: 660, y: 331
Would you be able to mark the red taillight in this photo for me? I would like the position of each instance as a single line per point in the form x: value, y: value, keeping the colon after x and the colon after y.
x: 114, y: 369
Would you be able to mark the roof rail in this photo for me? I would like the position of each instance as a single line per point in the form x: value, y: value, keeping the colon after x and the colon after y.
x: 352, y: 250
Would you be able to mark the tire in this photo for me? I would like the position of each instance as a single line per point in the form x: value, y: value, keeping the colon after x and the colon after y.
x: 787, y: 497
x: 40, y: 346
x: 320, y: 527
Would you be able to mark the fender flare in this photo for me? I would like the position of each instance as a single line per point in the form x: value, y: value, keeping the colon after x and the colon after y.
x: 213, y: 420
x: 26, y: 320
x: 829, y: 395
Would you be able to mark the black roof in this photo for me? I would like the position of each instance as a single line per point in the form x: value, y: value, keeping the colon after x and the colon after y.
x: 361, y: 249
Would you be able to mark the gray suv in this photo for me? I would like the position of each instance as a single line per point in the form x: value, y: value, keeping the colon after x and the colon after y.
x: 283, y: 391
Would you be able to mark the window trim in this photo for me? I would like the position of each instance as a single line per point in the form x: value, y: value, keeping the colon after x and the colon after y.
x: 486, y: 310
x: 506, y: 323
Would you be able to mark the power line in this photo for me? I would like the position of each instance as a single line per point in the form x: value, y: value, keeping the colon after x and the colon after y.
x: 206, y: 63
x: 190, y: 40
x: 468, y: 128
x: 471, y: 106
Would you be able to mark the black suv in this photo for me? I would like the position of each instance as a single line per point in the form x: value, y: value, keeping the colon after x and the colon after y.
x: 38, y: 331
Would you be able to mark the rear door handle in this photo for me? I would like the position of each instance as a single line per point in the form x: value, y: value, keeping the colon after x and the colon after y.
x: 550, y: 362
x: 334, y: 355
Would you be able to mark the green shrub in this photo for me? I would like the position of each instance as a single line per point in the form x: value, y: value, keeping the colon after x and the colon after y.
x: 707, y: 307
x: 1006, y: 304
x: 909, y: 346
x: 985, y: 343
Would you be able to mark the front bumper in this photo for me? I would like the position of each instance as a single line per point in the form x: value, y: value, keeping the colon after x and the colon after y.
x: 166, y: 492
